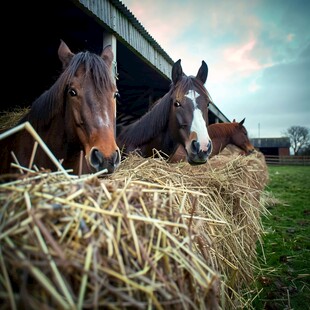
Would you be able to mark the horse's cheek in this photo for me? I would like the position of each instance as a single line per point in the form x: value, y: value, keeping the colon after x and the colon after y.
x: 82, y: 137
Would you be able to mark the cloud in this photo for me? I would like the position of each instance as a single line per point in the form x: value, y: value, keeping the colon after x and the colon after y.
x: 281, y: 101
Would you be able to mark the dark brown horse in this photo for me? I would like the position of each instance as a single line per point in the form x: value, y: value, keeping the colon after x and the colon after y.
x: 77, y: 114
x: 221, y: 135
x: 179, y: 117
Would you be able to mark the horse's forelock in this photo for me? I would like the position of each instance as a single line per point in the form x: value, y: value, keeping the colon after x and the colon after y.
x: 97, y: 70
x: 182, y: 87
x: 190, y: 83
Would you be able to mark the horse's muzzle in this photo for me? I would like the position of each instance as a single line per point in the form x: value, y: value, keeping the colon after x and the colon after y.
x: 98, y: 162
x: 196, y: 156
x: 249, y: 151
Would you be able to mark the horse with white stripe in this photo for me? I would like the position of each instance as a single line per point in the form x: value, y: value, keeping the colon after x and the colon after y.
x: 180, y: 117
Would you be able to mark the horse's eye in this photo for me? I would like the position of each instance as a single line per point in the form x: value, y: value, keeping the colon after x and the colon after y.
x: 177, y: 104
x: 72, y: 92
x: 117, y: 95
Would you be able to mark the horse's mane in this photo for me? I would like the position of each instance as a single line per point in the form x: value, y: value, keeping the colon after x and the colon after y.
x: 150, y: 124
x: 156, y: 119
x: 51, y: 102
x: 222, y: 129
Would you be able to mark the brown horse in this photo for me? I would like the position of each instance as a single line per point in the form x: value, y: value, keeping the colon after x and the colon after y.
x: 221, y: 135
x: 77, y: 114
x: 179, y: 117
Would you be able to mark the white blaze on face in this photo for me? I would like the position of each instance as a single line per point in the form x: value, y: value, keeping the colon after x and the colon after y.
x: 103, y: 122
x: 198, y: 123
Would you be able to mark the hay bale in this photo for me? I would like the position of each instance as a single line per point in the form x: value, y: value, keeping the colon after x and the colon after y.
x: 152, y: 235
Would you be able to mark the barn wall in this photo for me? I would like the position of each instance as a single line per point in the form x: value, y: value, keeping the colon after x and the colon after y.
x: 284, y: 152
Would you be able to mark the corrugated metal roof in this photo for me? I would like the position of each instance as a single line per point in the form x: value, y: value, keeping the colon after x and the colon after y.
x: 125, y: 26
x: 140, y: 28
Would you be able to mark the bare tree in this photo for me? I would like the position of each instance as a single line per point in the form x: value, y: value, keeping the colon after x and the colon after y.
x: 299, y: 137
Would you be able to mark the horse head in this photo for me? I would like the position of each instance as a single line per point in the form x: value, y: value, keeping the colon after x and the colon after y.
x: 189, y: 113
x: 90, y: 106
x: 240, y: 137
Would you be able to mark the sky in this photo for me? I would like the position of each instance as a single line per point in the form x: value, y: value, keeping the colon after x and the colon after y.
x: 257, y: 52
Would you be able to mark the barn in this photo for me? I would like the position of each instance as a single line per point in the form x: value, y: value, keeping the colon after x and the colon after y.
x: 32, y: 35
x: 273, y: 146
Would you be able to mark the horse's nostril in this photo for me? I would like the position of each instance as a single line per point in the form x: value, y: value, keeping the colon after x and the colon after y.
x: 96, y: 158
x: 116, y: 158
x: 195, y: 146
x: 209, y: 150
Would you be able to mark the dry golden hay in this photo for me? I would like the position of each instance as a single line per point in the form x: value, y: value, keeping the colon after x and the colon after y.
x: 152, y: 235
x: 10, y: 118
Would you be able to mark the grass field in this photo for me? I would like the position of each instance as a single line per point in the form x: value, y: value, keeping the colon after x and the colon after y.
x: 284, y: 278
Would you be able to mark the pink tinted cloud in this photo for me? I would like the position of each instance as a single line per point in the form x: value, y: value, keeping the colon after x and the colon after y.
x: 237, y: 61
x: 163, y: 20
x: 240, y: 57
x: 290, y: 37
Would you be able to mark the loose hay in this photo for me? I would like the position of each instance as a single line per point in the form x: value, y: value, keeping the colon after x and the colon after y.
x: 151, y: 236
x: 10, y: 118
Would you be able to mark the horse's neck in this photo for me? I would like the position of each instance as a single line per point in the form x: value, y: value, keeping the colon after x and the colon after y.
x: 178, y: 155
x: 219, y: 142
x: 53, y: 135
x: 162, y: 142
x: 165, y: 143
x: 146, y: 133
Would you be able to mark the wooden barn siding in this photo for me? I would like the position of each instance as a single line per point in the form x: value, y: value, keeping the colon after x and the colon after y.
x: 123, y: 27
x: 284, y: 151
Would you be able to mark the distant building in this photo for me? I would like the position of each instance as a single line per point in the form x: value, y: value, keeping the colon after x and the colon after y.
x: 272, y: 146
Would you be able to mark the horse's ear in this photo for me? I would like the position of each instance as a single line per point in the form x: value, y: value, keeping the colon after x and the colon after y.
x: 202, y: 73
x: 241, y: 123
x: 64, y: 53
x: 177, y: 71
x: 108, y: 56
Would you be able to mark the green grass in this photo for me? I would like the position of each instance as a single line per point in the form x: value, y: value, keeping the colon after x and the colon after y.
x: 284, y: 278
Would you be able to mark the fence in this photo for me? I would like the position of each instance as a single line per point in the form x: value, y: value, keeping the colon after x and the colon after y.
x: 287, y: 160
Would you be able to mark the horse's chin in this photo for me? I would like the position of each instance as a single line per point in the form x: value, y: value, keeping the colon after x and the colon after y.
x: 105, y: 169
x: 248, y: 152
x: 251, y: 151
x: 195, y: 161
x: 192, y: 163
